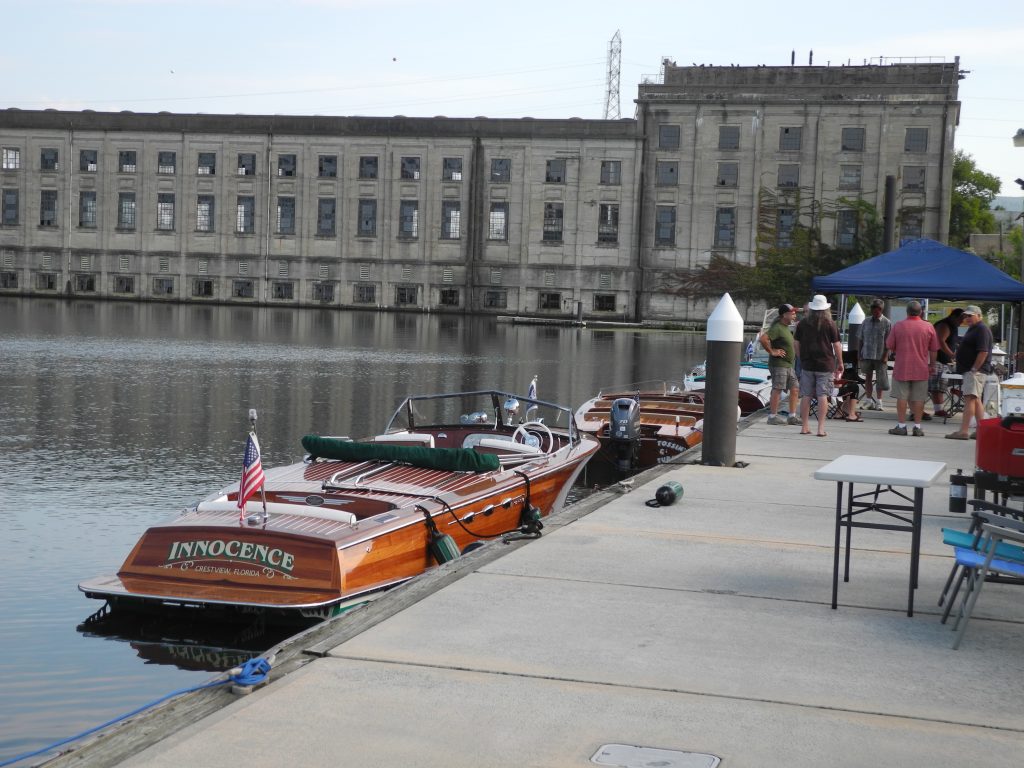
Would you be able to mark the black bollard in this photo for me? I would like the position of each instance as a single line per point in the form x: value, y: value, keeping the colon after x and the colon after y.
x: 722, y: 384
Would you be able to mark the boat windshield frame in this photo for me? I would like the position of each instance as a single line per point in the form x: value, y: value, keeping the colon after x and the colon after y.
x: 414, y: 412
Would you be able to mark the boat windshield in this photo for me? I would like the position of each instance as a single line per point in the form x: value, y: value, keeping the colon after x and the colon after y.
x: 487, y: 410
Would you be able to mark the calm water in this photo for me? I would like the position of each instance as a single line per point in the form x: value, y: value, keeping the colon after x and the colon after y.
x: 115, y: 415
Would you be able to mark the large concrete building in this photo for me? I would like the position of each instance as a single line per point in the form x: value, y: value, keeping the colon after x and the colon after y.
x: 536, y: 217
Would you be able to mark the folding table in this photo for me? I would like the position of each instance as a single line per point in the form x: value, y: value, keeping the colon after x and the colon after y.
x: 886, y: 475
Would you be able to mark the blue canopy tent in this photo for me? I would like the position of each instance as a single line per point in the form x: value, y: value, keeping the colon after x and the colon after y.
x: 925, y: 269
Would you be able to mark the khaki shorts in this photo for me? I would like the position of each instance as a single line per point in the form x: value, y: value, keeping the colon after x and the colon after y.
x: 974, y: 384
x: 914, y: 391
x: 783, y: 378
x: 881, y: 371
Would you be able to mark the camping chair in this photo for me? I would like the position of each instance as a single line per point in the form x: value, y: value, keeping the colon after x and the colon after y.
x: 981, y: 563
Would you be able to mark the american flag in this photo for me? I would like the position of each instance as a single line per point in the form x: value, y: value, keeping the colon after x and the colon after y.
x: 532, y: 391
x: 252, y: 473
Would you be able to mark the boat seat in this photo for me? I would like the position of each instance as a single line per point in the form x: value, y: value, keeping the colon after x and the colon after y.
x: 255, y: 507
x: 509, y: 445
x: 406, y: 438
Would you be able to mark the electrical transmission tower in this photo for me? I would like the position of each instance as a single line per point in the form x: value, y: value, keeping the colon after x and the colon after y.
x: 611, y: 93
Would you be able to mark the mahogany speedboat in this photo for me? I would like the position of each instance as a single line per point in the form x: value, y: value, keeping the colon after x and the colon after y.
x: 640, y: 425
x: 755, y: 384
x: 359, y: 517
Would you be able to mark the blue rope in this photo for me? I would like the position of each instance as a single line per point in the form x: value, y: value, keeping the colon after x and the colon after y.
x: 254, y: 671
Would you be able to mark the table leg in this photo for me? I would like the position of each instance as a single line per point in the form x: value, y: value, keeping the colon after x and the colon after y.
x: 835, y: 561
x: 849, y: 530
x: 915, y: 546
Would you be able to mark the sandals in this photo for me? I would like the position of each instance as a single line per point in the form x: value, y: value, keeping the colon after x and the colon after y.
x: 855, y: 418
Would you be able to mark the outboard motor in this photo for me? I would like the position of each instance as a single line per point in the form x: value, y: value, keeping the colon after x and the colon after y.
x: 624, y: 432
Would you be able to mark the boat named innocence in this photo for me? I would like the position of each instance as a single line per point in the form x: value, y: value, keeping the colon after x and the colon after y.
x: 359, y: 517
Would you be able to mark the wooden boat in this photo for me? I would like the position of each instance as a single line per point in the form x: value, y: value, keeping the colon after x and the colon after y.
x: 359, y: 517
x: 755, y: 384
x: 640, y: 425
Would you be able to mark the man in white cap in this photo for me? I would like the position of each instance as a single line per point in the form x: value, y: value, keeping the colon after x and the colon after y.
x: 817, y: 344
x: 974, y: 363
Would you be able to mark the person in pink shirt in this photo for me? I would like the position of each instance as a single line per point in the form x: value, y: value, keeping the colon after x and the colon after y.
x: 915, y: 346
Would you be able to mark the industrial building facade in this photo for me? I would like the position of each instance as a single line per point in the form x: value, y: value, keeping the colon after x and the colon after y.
x: 557, y: 218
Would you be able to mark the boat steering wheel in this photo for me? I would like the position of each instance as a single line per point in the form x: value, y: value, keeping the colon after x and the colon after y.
x: 522, y: 430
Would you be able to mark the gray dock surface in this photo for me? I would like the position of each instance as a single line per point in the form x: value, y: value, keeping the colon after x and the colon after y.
x: 703, y: 627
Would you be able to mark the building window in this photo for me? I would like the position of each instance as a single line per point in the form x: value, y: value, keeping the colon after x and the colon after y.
x: 284, y: 291
x: 449, y: 297
x: 126, y: 210
x: 410, y: 168
x: 728, y: 174
x: 87, y: 161
x: 916, y: 140
x: 665, y: 225
x: 668, y: 137
x: 207, y: 164
x: 728, y: 137
x: 408, y: 219
x: 554, y: 173
x: 364, y: 294
x: 501, y: 169
x: 785, y: 221
x: 604, y: 302
x: 913, y: 178
x: 326, y: 217
x: 849, y: 177
x: 611, y: 172
x: 11, y: 159
x: 246, y: 164
x: 451, y: 220
x: 367, y: 218
x: 245, y: 215
x: 286, y: 215
x: 243, y: 289
x: 46, y: 281
x: 126, y: 161
x: 496, y: 299
x: 405, y: 295
x: 451, y: 169
x: 286, y: 165
x: 48, y: 160
x: 124, y: 284
x: 666, y: 173
x: 552, y: 222
x: 85, y: 283
x: 48, y: 208
x: 846, y: 228
x: 166, y: 162
x: 165, y: 211
x: 163, y: 286
x: 8, y: 280
x: 789, y: 176
x: 725, y: 228
x: 497, y: 222
x: 911, y: 224
x: 10, y: 207
x: 204, y: 213
x: 550, y: 300
x: 323, y: 292
x: 327, y: 166
x: 202, y: 287
x: 853, y: 140
x: 87, y: 210
x: 368, y: 167
x: 608, y: 224
x: 789, y: 138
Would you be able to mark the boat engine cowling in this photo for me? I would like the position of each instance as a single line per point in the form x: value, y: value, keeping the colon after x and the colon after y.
x: 624, y: 432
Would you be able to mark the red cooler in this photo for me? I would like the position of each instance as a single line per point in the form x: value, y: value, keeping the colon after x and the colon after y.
x: 1000, y: 448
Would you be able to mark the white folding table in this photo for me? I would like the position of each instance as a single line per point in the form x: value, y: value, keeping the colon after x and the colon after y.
x: 886, y: 475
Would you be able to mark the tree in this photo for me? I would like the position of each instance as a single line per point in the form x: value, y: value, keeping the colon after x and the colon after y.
x: 972, y: 195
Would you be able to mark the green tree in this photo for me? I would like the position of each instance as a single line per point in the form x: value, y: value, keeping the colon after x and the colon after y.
x: 972, y: 195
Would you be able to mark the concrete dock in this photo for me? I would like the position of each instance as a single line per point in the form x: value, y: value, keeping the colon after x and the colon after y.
x: 702, y: 628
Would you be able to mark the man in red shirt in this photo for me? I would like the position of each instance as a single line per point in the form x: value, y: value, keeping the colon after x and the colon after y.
x: 915, y: 346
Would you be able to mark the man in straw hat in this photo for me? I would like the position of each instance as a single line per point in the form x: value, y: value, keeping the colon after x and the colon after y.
x: 820, y: 351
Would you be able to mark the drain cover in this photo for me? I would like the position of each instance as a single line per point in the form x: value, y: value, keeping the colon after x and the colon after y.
x: 629, y: 756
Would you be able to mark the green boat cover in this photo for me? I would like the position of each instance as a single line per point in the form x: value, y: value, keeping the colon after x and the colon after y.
x: 451, y: 459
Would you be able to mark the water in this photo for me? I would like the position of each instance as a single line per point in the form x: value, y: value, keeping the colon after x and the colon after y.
x: 115, y: 415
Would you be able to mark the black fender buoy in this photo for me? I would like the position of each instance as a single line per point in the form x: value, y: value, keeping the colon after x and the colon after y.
x: 666, y: 495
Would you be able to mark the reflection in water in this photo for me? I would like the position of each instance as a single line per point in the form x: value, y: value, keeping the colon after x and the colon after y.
x: 115, y: 415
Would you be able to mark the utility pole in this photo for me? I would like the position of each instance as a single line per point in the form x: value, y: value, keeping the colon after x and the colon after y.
x: 611, y: 91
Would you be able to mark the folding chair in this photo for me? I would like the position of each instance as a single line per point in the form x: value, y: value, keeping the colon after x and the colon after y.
x: 981, y: 563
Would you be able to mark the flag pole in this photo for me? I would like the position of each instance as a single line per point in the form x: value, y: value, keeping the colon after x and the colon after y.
x: 263, y: 492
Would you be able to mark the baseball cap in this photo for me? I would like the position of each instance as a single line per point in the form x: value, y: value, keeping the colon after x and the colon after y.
x: 972, y: 309
x: 784, y: 308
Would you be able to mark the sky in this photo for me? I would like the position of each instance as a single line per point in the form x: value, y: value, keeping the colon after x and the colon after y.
x: 465, y: 58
